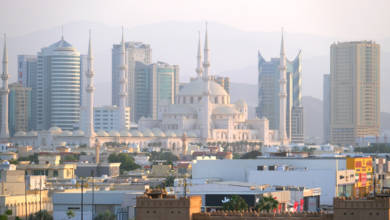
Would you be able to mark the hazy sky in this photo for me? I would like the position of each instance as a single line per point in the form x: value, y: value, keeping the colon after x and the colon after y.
x: 354, y: 19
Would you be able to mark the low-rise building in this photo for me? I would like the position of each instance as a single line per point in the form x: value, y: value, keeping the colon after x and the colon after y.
x: 97, y: 170
x: 120, y: 203
x: 157, y: 204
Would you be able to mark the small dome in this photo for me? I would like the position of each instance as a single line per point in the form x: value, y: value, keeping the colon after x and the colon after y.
x: 148, y: 133
x: 125, y: 133
x: 170, y: 134
x: 55, y: 130
x: 114, y: 133
x: 196, y: 88
x: 66, y: 133
x: 179, y: 133
x: 137, y: 133
x: 20, y: 134
x: 191, y: 134
x: 102, y: 133
x: 32, y: 133
x: 78, y: 133
x: 241, y: 103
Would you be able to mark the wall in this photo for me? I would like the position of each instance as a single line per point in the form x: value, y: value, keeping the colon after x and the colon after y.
x: 229, y: 215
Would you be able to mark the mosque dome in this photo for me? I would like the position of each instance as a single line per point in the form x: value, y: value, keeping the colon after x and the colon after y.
x: 55, y: 130
x: 170, y: 134
x: 148, y: 133
x: 241, y: 103
x: 125, y: 133
x: 102, y: 133
x: 32, y: 133
x: 20, y: 134
x: 66, y: 133
x: 192, y: 134
x: 114, y: 133
x: 137, y: 133
x: 197, y: 88
x: 78, y: 133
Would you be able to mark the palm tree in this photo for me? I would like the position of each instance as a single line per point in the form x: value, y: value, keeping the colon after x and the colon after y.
x: 267, y: 204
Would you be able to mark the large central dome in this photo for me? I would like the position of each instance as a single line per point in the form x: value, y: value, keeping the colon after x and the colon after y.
x: 197, y: 88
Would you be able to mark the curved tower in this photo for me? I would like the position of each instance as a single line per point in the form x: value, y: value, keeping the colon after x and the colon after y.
x: 4, y: 94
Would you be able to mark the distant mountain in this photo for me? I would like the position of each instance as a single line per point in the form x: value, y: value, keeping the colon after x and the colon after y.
x: 312, y: 116
x: 385, y: 121
x: 233, y: 51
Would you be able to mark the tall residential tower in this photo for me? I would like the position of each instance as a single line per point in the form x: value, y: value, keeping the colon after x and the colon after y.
x: 355, y: 91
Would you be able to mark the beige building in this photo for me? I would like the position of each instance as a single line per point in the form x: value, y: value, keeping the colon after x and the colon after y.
x: 49, y: 165
x: 14, y: 197
x: 355, y: 91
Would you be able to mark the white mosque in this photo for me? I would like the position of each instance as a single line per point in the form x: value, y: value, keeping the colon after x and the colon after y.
x: 202, y: 113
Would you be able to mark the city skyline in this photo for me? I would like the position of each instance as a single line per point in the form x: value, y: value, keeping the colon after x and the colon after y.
x: 312, y: 72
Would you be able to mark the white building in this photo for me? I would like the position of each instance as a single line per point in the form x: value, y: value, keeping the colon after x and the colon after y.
x: 135, y: 52
x: 56, y: 87
x: 106, y: 118
x: 203, y: 110
x: 307, y: 172
x: 120, y: 203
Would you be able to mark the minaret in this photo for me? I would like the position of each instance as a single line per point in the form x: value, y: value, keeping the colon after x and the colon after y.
x: 199, y: 69
x: 90, y: 92
x: 206, y: 62
x: 4, y: 134
x: 282, y: 96
x: 206, y: 105
x: 122, y: 86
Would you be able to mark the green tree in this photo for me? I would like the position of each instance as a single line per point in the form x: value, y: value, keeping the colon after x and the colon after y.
x: 235, y: 203
x: 107, y: 215
x: 267, y: 203
x: 169, y: 181
x: 41, y: 215
x: 374, y: 148
x: 251, y: 155
x: 31, y: 158
x: 126, y: 160
x: 167, y: 156
x: 70, y: 214
x: 13, y: 161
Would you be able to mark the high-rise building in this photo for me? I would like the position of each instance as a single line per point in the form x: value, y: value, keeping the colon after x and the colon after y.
x: 107, y: 118
x: 56, y: 87
x: 155, y: 84
x: 326, y: 108
x: 134, y: 52
x: 269, y: 95
x: 27, y: 69
x: 355, y: 91
x: 19, y: 108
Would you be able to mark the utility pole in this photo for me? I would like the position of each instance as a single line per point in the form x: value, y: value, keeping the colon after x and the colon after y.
x: 40, y: 196
x: 93, y: 194
x: 82, y: 199
x: 25, y: 194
